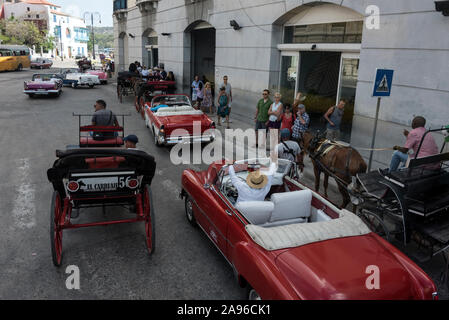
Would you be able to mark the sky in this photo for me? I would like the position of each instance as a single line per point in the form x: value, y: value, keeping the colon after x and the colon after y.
x: 78, y: 7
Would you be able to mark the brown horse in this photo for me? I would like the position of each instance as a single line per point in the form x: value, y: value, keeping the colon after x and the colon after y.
x: 340, y: 161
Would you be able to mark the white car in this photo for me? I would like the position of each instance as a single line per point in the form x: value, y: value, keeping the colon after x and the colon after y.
x: 81, y: 79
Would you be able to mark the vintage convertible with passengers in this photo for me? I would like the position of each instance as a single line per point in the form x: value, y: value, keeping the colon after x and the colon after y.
x: 296, y: 244
x: 172, y: 120
x: 44, y: 84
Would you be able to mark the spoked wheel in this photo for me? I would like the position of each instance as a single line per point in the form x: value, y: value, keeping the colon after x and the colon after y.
x: 137, y: 104
x: 148, y: 213
x: 189, y: 211
x: 374, y: 223
x: 56, y: 222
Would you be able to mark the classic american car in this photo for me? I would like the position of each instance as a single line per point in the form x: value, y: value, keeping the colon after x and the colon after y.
x: 41, y: 63
x: 102, y: 75
x: 74, y: 78
x: 173, y: 120
x: 296, y: 244
x: 44, y: 84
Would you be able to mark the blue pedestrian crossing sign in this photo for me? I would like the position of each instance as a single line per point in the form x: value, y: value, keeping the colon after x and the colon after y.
x: 383, y: 83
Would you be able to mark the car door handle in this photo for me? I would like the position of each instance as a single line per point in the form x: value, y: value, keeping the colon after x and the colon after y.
x: 229, y: 213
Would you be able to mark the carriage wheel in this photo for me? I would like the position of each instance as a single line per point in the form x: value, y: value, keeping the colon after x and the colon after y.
x: 148, y: 213
x: 374, y: 223
x: 56, y: 221
x: 137, y: 104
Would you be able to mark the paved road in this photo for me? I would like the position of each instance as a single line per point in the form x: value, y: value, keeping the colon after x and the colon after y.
x: 113, y: 260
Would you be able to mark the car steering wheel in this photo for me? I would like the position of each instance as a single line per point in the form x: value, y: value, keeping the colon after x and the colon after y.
x: 231, y: 190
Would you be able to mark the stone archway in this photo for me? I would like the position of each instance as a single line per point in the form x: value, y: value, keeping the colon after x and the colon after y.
x: 150, y: 50
x: 199, y: 51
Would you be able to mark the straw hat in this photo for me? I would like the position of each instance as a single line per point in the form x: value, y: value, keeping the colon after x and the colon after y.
x: 256, y: 180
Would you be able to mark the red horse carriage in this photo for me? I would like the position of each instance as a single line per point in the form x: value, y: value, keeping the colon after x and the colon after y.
x: 98, y: 173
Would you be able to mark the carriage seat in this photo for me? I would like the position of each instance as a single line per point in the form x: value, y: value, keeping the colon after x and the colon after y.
x: 108, y: 142
x: 284, y: 208
x: 104, y: 162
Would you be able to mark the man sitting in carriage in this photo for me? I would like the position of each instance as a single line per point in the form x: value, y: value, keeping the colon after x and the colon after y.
x: 414, y: 137
x: 103, y: 117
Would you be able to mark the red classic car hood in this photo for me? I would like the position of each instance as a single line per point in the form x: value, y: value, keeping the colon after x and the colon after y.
x: 337, y: 269
x: 100, y: 74
x: 185, y: 122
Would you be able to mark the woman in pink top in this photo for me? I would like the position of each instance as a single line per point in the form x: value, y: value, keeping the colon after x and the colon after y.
x: 414, y: 137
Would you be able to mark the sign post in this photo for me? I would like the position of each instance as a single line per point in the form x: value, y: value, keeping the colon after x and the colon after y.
x: 382, y: 88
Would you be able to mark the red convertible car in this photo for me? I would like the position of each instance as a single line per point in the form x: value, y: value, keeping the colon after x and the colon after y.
x: 296, y: 244
x: 102, y: 75
x: 172, y: 120
x: 44, y: 84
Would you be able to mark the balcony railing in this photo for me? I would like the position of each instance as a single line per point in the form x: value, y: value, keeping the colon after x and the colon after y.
x: 147, y: 5
x: 120, y: 5
x: 120, y: 9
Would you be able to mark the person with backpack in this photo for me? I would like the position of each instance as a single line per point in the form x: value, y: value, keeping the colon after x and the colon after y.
x: 333, y: 118
x: 288, y: 149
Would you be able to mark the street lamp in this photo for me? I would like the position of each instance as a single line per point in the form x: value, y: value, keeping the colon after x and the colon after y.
x: 92, y: 14
x: 60, y: 38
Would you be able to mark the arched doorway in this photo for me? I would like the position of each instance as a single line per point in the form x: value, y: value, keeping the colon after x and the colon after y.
x: 320, y: 52
x: 201, y: 38
x: 150, y: 50
x: 123, y: 51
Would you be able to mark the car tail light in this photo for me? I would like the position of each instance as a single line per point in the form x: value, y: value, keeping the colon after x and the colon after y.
x: 132, y: 183
x: 162, y: 130
x: 73, y: 186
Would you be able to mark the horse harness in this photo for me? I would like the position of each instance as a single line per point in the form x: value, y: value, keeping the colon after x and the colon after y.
x: 322, y: 148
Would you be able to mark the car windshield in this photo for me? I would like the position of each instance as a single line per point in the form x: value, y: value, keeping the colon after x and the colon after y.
x: 44, y: 77
x: 69, y: 70
x: 257, y: 163
x: 175, y: 100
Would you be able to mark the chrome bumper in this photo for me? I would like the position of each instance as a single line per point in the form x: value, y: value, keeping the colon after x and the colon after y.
x: 40, y: 92
x: 188, y: 139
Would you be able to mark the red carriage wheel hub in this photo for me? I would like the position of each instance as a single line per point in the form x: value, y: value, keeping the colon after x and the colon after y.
x: 73, y: 186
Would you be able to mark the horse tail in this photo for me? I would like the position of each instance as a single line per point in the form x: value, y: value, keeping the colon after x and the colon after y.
x: 362, y: 166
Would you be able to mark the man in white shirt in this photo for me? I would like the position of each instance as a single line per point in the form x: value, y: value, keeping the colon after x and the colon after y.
x: 257, y: 184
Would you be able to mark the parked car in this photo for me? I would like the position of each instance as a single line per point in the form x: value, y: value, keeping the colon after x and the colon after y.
x: 44, y: 84
x: 74, y: 78
x: 41, y: 63
x: 296, y: 244
x: 102, y: 75
x: 172, y: 119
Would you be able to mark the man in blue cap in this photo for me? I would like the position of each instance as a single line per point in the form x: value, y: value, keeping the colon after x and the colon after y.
x: 288, y: 149
x: 131, y: 141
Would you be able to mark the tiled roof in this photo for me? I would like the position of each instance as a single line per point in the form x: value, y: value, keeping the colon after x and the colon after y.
x: 41, y: 2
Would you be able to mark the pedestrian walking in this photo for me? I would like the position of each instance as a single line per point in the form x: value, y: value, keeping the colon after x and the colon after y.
x: 207, y: 98
x: 196, y: 84
x: 223, y: 107
x: 261, y: 117
x: 334, y: 117
x: 228, y: 88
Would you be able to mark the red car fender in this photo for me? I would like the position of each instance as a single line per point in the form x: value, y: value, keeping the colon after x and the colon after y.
x: 261, y: 273
x: 190, y: 182
x: 424, y: 286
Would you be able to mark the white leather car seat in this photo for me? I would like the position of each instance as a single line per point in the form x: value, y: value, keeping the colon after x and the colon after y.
x: 290, y: 207
x: 256, y: 212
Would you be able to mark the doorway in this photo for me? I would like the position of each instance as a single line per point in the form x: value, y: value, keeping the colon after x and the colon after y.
x: 324, y: 77
x: 203, y: 54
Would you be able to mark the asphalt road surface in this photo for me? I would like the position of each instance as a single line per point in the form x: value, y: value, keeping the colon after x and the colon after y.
x: 113, y: 261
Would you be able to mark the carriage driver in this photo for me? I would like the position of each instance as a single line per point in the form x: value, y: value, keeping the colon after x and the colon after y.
x: 414, y: 137
x: 103, y: 117
x: 257, y: 184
